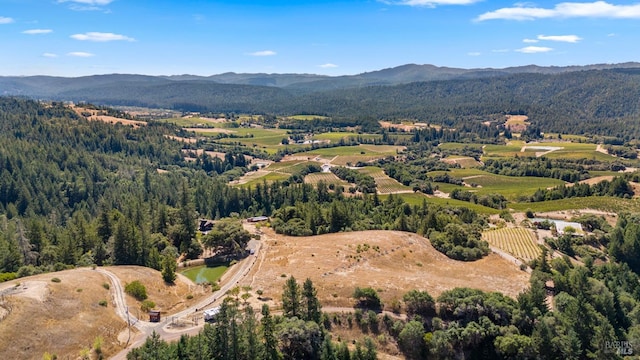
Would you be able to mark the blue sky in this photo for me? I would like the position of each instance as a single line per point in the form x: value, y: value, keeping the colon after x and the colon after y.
x: 161, y: 37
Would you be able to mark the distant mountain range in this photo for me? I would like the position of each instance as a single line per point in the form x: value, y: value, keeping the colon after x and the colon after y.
x: 78, y: 88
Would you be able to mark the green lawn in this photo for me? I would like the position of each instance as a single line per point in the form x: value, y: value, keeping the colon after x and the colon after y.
x: 204, y: 274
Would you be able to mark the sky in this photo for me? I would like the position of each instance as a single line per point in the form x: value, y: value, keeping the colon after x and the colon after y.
x: 160, y: 37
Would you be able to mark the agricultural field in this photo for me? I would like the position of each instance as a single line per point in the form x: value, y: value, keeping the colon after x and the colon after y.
x: 519, y: 242
x: 328, y: 178
x: 463, y: 161
x: 290, y: 167
x: 306, y: 117
x: 418, y: 198
x: 510, y: 187
x: 259, y: 177
x: 459, y: 146
x: 195, y: 121
x: 335, y: 137
x: 511, y: 149
x: 604, y: 203
x: 384, y: 183
x: 345, y: 155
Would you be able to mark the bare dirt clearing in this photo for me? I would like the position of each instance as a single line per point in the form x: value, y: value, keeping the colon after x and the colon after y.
x: 391, y: 262
x: 96, y: 115
x: 61, y: 318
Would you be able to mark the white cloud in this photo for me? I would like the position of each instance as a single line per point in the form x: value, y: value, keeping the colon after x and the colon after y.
x: 80, y: 54
x: 530, y: 41
x: 87, y: 5
x: 101, y: 37
x: 597, y: 9
x: 5, y: 20
x: 429, y: 3
x: 612, y: 35
x: 37, y: 31
x: 500, y: 50
x: 328, y: 66
x: 560, y: 38
x: 534, y: 49
x: 50, y: 55
x: 474, y: 53
x: 263, y: 53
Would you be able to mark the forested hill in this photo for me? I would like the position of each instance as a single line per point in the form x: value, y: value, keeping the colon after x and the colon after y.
x: 602, y: 102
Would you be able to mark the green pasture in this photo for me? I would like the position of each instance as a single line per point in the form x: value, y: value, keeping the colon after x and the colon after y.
x: 204, y: 274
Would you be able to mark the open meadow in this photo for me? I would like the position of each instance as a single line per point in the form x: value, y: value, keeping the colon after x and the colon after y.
x: 391, y: 262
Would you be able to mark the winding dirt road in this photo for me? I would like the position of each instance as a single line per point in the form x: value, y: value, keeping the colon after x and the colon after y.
x: 164, y: 328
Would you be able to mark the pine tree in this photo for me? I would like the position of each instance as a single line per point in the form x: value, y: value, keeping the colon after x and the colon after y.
x: 312, y: 311
x: 268, y: 333
x: 168, y: 269
x: 291, y: 301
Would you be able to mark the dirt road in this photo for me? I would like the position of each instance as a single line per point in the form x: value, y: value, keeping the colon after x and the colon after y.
x: 167, y: 329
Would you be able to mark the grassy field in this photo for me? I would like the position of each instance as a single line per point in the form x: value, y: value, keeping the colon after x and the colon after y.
x: 394, y: 262
x: 204, y: 274
x: 519, y: 242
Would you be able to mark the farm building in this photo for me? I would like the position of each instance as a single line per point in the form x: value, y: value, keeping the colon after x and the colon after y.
x: 326, y: 168
x: 258, y: 218
x: 561, y: 226
x: 210, y: 314
x: 154, y: 316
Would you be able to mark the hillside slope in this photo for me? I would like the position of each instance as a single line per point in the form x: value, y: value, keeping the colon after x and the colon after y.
x: 392, y: 262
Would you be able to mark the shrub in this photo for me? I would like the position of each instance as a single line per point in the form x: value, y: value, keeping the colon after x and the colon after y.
x: 8, y: 276
x: 106, y: 286
x: 137, y: 290
x: 55, y: 280
x: 147, y: 305
x: 103, y: 303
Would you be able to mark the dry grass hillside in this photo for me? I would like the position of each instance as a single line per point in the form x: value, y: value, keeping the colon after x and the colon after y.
x: 391, y: 262
x: 169, y: 299
x: 60, y: 318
